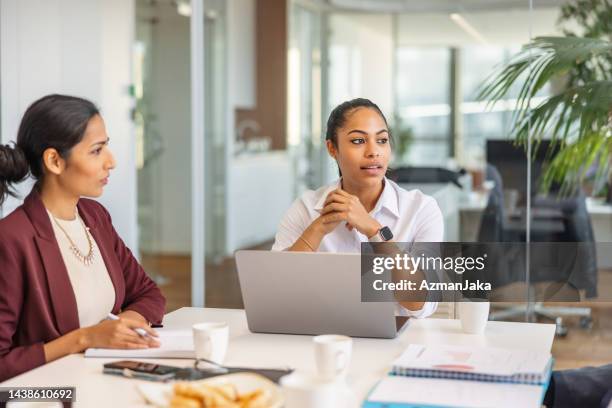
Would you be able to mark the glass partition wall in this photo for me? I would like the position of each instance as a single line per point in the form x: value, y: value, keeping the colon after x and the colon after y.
x: 428, y: 66
x: 218, y: 285
x: 305, y: 108
x: 570, y: 228
x: 162, y: 88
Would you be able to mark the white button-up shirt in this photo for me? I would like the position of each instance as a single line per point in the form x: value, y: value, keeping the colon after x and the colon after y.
x: 411, y: 215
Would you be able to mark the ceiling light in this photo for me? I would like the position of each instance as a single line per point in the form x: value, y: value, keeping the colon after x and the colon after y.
x: 468, y: 28
x: 183, y: 8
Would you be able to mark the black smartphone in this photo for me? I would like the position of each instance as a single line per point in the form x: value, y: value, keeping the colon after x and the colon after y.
x: 138, y: 369
x: 192, y: 374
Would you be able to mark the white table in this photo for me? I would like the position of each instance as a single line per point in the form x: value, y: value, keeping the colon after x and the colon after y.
x: 371, y: 357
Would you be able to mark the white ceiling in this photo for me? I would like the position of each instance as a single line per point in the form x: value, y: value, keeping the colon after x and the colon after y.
x: 432, y: 6
x: 495, y: 28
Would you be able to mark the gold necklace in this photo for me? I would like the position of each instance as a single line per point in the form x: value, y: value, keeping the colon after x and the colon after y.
x: 85, y: 259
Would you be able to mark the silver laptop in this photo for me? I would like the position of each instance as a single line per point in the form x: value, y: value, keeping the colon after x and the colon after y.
x: 310, y: 293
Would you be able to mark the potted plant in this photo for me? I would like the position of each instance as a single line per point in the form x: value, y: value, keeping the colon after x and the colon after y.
x: 403, y: 135
x: 577, y: 116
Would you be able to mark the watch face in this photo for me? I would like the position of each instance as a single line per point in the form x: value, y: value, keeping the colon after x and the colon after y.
x: 386, y: 234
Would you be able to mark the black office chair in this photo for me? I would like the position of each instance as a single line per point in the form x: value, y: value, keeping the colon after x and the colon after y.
x: 413, y: 174
x: 576, y: 263
x: 492, y: 224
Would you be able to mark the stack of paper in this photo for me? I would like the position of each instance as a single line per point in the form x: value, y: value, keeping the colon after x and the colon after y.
x: 474, y: 363
x: 454, y: 376
x: 174, y: 344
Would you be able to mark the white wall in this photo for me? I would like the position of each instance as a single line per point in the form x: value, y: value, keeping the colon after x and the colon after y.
x: 241, y: 53
x: 78, y: 47
x: 120, y: 198
x: 361, y: 53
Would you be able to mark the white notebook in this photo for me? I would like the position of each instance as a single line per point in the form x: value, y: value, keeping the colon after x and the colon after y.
x: 174, y: 344
x: 394, y: 391
x: 474, y: 363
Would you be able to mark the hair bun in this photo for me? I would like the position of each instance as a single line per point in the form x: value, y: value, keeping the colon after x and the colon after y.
x: 13, y: 164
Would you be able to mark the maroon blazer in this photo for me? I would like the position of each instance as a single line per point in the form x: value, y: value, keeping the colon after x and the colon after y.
x: 37, y: 302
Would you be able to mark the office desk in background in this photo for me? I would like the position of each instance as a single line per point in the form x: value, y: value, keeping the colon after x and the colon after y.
x: 370, y: 362
x: 472, y: 206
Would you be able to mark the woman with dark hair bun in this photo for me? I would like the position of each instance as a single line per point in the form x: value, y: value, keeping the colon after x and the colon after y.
x: 363, y: 205
x: 13, y: 169
x: 63, y: 268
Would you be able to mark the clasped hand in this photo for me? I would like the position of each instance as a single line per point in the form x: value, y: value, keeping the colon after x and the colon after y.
x: 341, y: 206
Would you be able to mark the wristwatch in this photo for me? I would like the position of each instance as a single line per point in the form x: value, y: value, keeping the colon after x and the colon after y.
x: 383, y: 235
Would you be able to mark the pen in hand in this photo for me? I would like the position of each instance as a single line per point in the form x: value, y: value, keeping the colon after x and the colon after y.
x: 141, y: 332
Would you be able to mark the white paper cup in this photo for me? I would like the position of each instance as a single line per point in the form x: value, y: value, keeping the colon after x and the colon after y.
x: 210, y: 341
x: 474, y: 316
x: 302, y: 390
x: 332, y: 356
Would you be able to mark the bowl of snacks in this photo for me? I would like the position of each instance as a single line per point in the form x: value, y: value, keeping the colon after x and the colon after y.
x: 239, y: 390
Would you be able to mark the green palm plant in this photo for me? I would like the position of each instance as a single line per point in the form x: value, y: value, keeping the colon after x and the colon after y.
x: 578, y: 118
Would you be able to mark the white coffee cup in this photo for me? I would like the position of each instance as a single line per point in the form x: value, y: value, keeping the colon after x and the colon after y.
x: 303, y: 390
x: 474, y: 316
x: 332, y: 356
x: 210, y: 341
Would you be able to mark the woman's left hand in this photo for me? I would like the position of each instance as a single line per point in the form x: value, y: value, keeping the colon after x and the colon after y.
x: 342, y: 206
